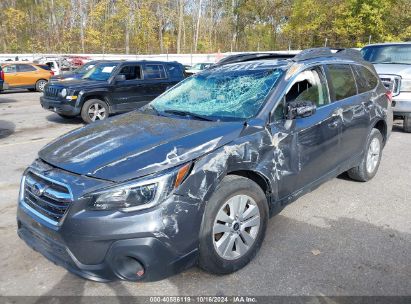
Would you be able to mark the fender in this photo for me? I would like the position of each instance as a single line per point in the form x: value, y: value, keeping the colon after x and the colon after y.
x: 99, y: 93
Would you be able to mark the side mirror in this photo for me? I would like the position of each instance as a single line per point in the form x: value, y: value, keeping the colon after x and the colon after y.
x: 120, y: 78
x: 301, y: 109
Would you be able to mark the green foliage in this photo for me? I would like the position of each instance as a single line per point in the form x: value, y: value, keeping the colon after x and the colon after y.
x: 152, y: 26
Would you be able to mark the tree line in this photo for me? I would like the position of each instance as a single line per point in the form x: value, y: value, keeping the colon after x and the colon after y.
x: 197, y: 26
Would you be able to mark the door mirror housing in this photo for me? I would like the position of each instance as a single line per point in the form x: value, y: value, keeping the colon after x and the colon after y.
x: 119, y: 78
x: 300, y: 109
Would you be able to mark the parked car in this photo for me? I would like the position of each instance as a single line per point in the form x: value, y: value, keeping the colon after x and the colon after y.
x: 198, y: 67
x: 111, y: 87
x: 25, y: 75
x: 77, y: 73
x: 194, y: 176
x: 393, y: 64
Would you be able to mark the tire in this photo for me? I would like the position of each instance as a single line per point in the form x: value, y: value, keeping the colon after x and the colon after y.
x: 65, y: 116
x: 89, y: 114
x: 370, y: 162
x: 40, y: 85
x: 407, y: 123
x: 230, y: 190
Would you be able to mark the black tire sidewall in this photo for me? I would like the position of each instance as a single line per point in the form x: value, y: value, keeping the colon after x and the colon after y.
x: 229, y: 187
x: 84, y: 110
x: 407, y: 123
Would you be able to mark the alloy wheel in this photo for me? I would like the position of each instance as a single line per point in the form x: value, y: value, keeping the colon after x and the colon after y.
x: 373, y: 155
x: 96, y: 112
x: 236, y: 227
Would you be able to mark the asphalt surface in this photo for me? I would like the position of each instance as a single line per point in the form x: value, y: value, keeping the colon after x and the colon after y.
x: 345, y: 238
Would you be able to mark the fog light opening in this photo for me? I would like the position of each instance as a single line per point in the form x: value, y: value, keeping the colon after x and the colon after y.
x: 130, y: 268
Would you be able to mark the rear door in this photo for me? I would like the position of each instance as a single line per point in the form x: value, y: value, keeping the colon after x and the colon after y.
x: 128, y: 94
x: 352, y: 108
x: 27, y: 74
x: 156, y: 80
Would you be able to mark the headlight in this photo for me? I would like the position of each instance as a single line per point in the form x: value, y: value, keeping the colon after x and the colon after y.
x: 405, y: 85
x: 63, y: 93
x: 140, y: 194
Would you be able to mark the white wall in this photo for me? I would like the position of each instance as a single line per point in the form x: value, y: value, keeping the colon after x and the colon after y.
x: 182, y: 58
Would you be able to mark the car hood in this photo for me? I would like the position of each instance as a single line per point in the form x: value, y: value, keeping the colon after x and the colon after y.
x: 80, y: 84
x: 66, y: 77
x: 136, y: 144
x: 403, y: 70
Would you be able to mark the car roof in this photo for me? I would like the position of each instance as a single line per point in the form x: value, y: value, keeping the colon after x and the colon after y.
x: 275, y: 60
x: 389, y: 43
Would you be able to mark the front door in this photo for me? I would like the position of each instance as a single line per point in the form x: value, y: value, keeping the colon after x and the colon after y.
x: 128, y: 94
x: 309, y: 144
x: 10, y: 75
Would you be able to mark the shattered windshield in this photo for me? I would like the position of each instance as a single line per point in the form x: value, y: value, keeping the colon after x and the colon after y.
x: 223, y: 94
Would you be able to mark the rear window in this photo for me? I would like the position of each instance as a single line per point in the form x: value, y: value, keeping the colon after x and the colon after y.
x: 174, y: 71
x: 154, y: 71
x: 44, y: 67
x: 366, y: 80
x: 25, y: 68
x: 342, y: 83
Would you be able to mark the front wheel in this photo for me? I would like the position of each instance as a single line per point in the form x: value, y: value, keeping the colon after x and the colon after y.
x: 94, y: 109
x: 40, y: 84
x: 234, y: 225
x: 370, y: 162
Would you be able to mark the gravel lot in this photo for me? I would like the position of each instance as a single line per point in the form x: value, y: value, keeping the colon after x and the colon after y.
x: 345, y: 238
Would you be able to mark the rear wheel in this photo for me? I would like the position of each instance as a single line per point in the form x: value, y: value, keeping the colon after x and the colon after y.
x: 40, y: 84
x: 407, y: 123
x: 93, y: 110
x: 370, y: 162
x: 234, y: 225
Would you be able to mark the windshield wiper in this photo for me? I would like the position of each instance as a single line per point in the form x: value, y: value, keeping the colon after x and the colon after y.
x: 187, y: 113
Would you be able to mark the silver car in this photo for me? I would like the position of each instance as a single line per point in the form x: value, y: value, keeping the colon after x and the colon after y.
x: 393, y: 64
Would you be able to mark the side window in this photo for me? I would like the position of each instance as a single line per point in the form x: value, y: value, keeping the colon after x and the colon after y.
x: 131, y: 72
x: 10, y: 69
x: 309, y: 85
x: 342, y: 81
x: 154, y: 71
x: 25, y: 68
x: 174, y: 71
x: 366, y: 80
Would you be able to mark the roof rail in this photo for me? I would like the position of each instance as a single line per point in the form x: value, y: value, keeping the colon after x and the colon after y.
x: 328, y: 52
x: 252, y: 56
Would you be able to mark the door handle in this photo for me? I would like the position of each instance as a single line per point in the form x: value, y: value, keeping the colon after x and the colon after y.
x: 334, y: 124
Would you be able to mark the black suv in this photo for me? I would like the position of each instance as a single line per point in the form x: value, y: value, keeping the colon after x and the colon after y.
x: 194, y: 176
x: 111, y: 87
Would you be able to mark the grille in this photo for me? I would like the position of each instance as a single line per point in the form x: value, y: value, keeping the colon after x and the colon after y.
x: 392, y: 83
x: 51, y: 91
x: 49, y: 198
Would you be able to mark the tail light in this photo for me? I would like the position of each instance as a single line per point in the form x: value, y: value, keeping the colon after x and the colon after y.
x: 52, y: 73
x: 389, y: 96
x: 2, y: 75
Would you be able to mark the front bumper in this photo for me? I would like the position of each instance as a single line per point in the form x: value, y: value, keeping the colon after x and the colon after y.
x: 158, y: 258
x: 104, y: 245
x: 402, y: 104
x: 61, y: 107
